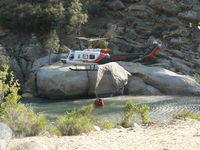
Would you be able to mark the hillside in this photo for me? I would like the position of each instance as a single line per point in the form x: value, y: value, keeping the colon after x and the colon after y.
x: 130, y: 25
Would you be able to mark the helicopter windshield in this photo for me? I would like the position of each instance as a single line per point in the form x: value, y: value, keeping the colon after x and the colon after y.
x: 71, y: 56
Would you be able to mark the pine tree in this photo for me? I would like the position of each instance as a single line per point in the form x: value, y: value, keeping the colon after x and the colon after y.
x: 78, y: 18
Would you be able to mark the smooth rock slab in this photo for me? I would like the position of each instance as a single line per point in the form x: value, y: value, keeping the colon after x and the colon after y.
x: 165, y: 81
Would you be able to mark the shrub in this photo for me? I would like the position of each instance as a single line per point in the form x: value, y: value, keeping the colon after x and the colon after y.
x: 129, y: 111
x: 185, y: 113
x: 77, y: 121
x: 144, y: 112
x: 100, y: 44
x: 22, y: 120
x: 108, y: 124
x: 132, y: 109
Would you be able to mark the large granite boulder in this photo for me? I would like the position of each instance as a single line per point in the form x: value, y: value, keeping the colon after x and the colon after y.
x: 137, y: 86
x: 58, y: 81
x: 110, y: 78
x: 164, y: 80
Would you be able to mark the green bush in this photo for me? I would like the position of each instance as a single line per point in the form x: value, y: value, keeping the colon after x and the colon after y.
x: 185, y: 113
x: 100, y: 44
x: 144, y: 112
x: 77, y: 121
x: 32, y: 18
x: 132, y: 109
x: 108, y: 124
x: 129, y: 111
x: 197, y: 77
x: 22, y: 120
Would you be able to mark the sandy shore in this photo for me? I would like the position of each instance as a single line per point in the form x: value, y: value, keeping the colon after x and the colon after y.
x: 179, y: 135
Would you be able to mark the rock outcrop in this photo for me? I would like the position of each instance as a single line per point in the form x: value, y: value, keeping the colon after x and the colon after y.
x: 58, y: 81
x: 167, y: 82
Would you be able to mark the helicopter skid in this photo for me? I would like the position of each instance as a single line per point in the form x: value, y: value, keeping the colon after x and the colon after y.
x: 83, y: 69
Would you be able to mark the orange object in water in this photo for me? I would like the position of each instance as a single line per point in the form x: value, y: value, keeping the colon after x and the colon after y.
x: 99, y: 102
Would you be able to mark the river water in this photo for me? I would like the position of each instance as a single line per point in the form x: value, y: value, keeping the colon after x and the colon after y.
x: 162, y: 107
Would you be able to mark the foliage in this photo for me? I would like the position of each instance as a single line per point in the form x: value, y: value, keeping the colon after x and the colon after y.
x: 8, y: 87
x: 63, y: 49
x: 52, y: 44
x: 197, y: 77
x: 100, y: 44
x: 77, y: 121
x: 132, y: 109
x: 22, y: 120
x: 185, y: 113
x: 31, y: 17
x: 77, y: 16
x: 3, y: 59
x: 129, y: 111
x: 108, y: 124
x: 143, y: 110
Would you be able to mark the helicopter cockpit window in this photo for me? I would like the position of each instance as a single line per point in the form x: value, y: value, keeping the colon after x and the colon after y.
x: 92, y: 56
x: 85, y: 56
x: 71, y: 56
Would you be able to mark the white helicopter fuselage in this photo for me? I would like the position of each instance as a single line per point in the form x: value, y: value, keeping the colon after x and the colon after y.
x: 85, y: 57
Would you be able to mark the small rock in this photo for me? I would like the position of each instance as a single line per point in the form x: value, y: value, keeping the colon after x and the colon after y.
x: 136, y: 125
x: 97, y: 128
x: 27, y: 95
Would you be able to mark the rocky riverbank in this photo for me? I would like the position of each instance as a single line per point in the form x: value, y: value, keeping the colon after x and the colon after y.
x: 58, y: 81
x: 177, y: 135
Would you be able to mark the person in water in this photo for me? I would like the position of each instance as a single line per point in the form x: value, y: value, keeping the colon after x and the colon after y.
x: 99, y: 102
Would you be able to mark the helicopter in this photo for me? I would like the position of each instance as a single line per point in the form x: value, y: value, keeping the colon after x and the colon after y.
x: 92, y: 57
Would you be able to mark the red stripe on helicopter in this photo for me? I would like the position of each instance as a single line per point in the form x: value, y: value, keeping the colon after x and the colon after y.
x: 153, y: 52
x: 119, y: 58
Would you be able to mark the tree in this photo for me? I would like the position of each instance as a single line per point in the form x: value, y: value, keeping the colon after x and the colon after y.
x: 52, y: 44
x: 78, y: 18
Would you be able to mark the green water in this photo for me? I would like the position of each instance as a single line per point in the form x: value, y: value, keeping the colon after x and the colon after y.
x: 162, y: 107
